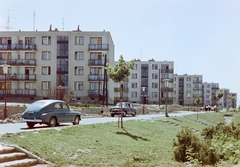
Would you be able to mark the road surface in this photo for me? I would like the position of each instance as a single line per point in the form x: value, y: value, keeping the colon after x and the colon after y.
x: 20, y: 127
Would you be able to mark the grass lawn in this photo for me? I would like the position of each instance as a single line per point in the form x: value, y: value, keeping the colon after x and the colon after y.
x: 140, y: 143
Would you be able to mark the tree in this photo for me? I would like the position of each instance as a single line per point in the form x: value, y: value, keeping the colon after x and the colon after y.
x: 197, y: 101
x: 219, y: 94
x: 118, y: 73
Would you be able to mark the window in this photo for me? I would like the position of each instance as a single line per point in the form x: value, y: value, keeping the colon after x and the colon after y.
x: 208, y: 86
x: 30, y: 85
x: 134, y: 94
x: 79, y: 40
x: 78, y: 85
x: 154, y: 76
x: 154, y: 67
x: 78, y: 71
x: 78, y: 55
x: 64, y: 106
x: 188, y: 85
x: 154, y: 85
x: 175, y: 78
x: 57, y: 106
x: 188, y: 78
x: 46, y: 55
x: 165, y: 76
x: 165, y: 66
x: 134, y: 76
x: 134, y: 85
x: 174, y: 92
x: 45, y: 85
x: 207, y: 91
x: 46, y: 40
x: 135, y: 67
x: 46, y: 70
x: 154, y: 94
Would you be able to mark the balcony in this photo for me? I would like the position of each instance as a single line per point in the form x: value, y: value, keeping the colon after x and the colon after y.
x: 19, y: 62
x: 197, y: 88
x: 18, y: 77
x: 197, y: 81
x: 95, y: 92
x: 96, y: 77
x: 19, y: 92
x: 169, y: 99
x: 168, y: 89
x: 170, y: 79
x: 197, y: 95
x: 10, y: 47
x: 95, y: 47
x: 117, y: 99
x: 96, y: 62
x: 118, y: 89
x: 166, y: 70
x: 215, y: 88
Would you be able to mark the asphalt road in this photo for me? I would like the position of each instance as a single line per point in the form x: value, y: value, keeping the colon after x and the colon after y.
x: 21, y: 127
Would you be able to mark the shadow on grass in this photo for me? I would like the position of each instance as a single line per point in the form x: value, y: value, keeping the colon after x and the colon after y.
x: 131, y: 135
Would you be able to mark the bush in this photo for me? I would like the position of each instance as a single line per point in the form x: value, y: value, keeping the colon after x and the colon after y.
x: 190, y: 148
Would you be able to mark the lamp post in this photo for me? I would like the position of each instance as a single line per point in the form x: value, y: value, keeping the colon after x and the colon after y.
x: 5, y: 70
x: 166, y: 82
x: 143, y: 89
x: 188, y: 99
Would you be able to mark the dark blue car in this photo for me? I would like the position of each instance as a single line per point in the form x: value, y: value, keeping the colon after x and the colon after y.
x: 51, y: 113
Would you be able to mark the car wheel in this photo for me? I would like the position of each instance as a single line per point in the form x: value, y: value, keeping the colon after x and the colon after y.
x: 30, y: 124
x: 112, y: 115
x: 76, y: 120
x: 52, y: 122
x: 134, y: 114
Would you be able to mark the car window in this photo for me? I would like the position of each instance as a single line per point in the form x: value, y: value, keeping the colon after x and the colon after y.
x: 64, y: 106
x: 57, y: 106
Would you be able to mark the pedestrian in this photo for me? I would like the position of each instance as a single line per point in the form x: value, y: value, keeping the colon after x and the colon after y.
x: 215, y: 108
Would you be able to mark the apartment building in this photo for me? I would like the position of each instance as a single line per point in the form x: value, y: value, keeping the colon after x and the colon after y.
x: 210, y: 91
x: 186, y: 88
x: 53, y: 63
x: 145, y: 83
x: 229, y: 99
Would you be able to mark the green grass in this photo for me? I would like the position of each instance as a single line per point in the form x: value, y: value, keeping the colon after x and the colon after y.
x: 140, y: 143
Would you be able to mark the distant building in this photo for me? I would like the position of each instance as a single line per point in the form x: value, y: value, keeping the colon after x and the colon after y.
x: 210, y: 91
x: 148, y: 75
x: 186, y: 88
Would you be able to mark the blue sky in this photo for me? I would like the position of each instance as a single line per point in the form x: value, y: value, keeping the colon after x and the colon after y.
x: 201, y: 36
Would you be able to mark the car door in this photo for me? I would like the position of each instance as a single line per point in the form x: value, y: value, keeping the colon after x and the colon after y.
x: 59, y: 112
x: 68, y: 117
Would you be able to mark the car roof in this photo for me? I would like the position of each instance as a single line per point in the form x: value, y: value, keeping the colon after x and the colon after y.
x: 48, y: 101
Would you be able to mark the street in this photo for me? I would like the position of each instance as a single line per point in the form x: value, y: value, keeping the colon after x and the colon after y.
x: 21, y: 127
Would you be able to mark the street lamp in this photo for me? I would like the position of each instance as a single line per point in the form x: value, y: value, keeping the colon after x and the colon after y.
x: 188, y: 99
x: 166, y: 83
x: 143, y: 89
x: 5, y: 70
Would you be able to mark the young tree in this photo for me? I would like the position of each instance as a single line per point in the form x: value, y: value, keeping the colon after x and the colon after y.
x: 118, y: 73
x: 219, y: 95
x: 197, y: 101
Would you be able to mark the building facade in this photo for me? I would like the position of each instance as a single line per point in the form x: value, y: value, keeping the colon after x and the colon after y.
x: 55, y: 64
x: 210, y: 91
x: 186, y: 88
x: 145, y: 83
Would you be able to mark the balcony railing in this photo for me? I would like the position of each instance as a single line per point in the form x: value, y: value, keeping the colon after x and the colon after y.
x: 118, y: 89
x: 98, y: 47
x: 17, y: 62
x: 96, y: 62
x: 197, y: 81
x: 95, y: 92
x: 96, y: 77
x: 18, y: 47
x: 164, y: 99
x: 19, y: 92
x: 166, y: 70
x: 168, y: 89
x: 29, y: 77
x: 117, y: 99
x: 197, y: 88
x: 170, y: 79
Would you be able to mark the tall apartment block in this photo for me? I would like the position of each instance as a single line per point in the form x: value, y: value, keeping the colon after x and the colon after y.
x: 145, y: 83
x: 210, y: 91
x: 53, y: 63
x: 229, y: 100
x: 186, y: 88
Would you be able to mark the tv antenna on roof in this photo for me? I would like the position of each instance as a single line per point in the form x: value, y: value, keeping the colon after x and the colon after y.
x: 63, y: 24
x: 8, y: 22
x: 33, y: 20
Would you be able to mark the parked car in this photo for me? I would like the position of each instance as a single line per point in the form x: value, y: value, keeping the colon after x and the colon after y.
x: 127, y: 109
x: 51, y: 113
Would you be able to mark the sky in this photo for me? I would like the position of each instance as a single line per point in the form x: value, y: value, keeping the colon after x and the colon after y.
x: 202, y: 37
